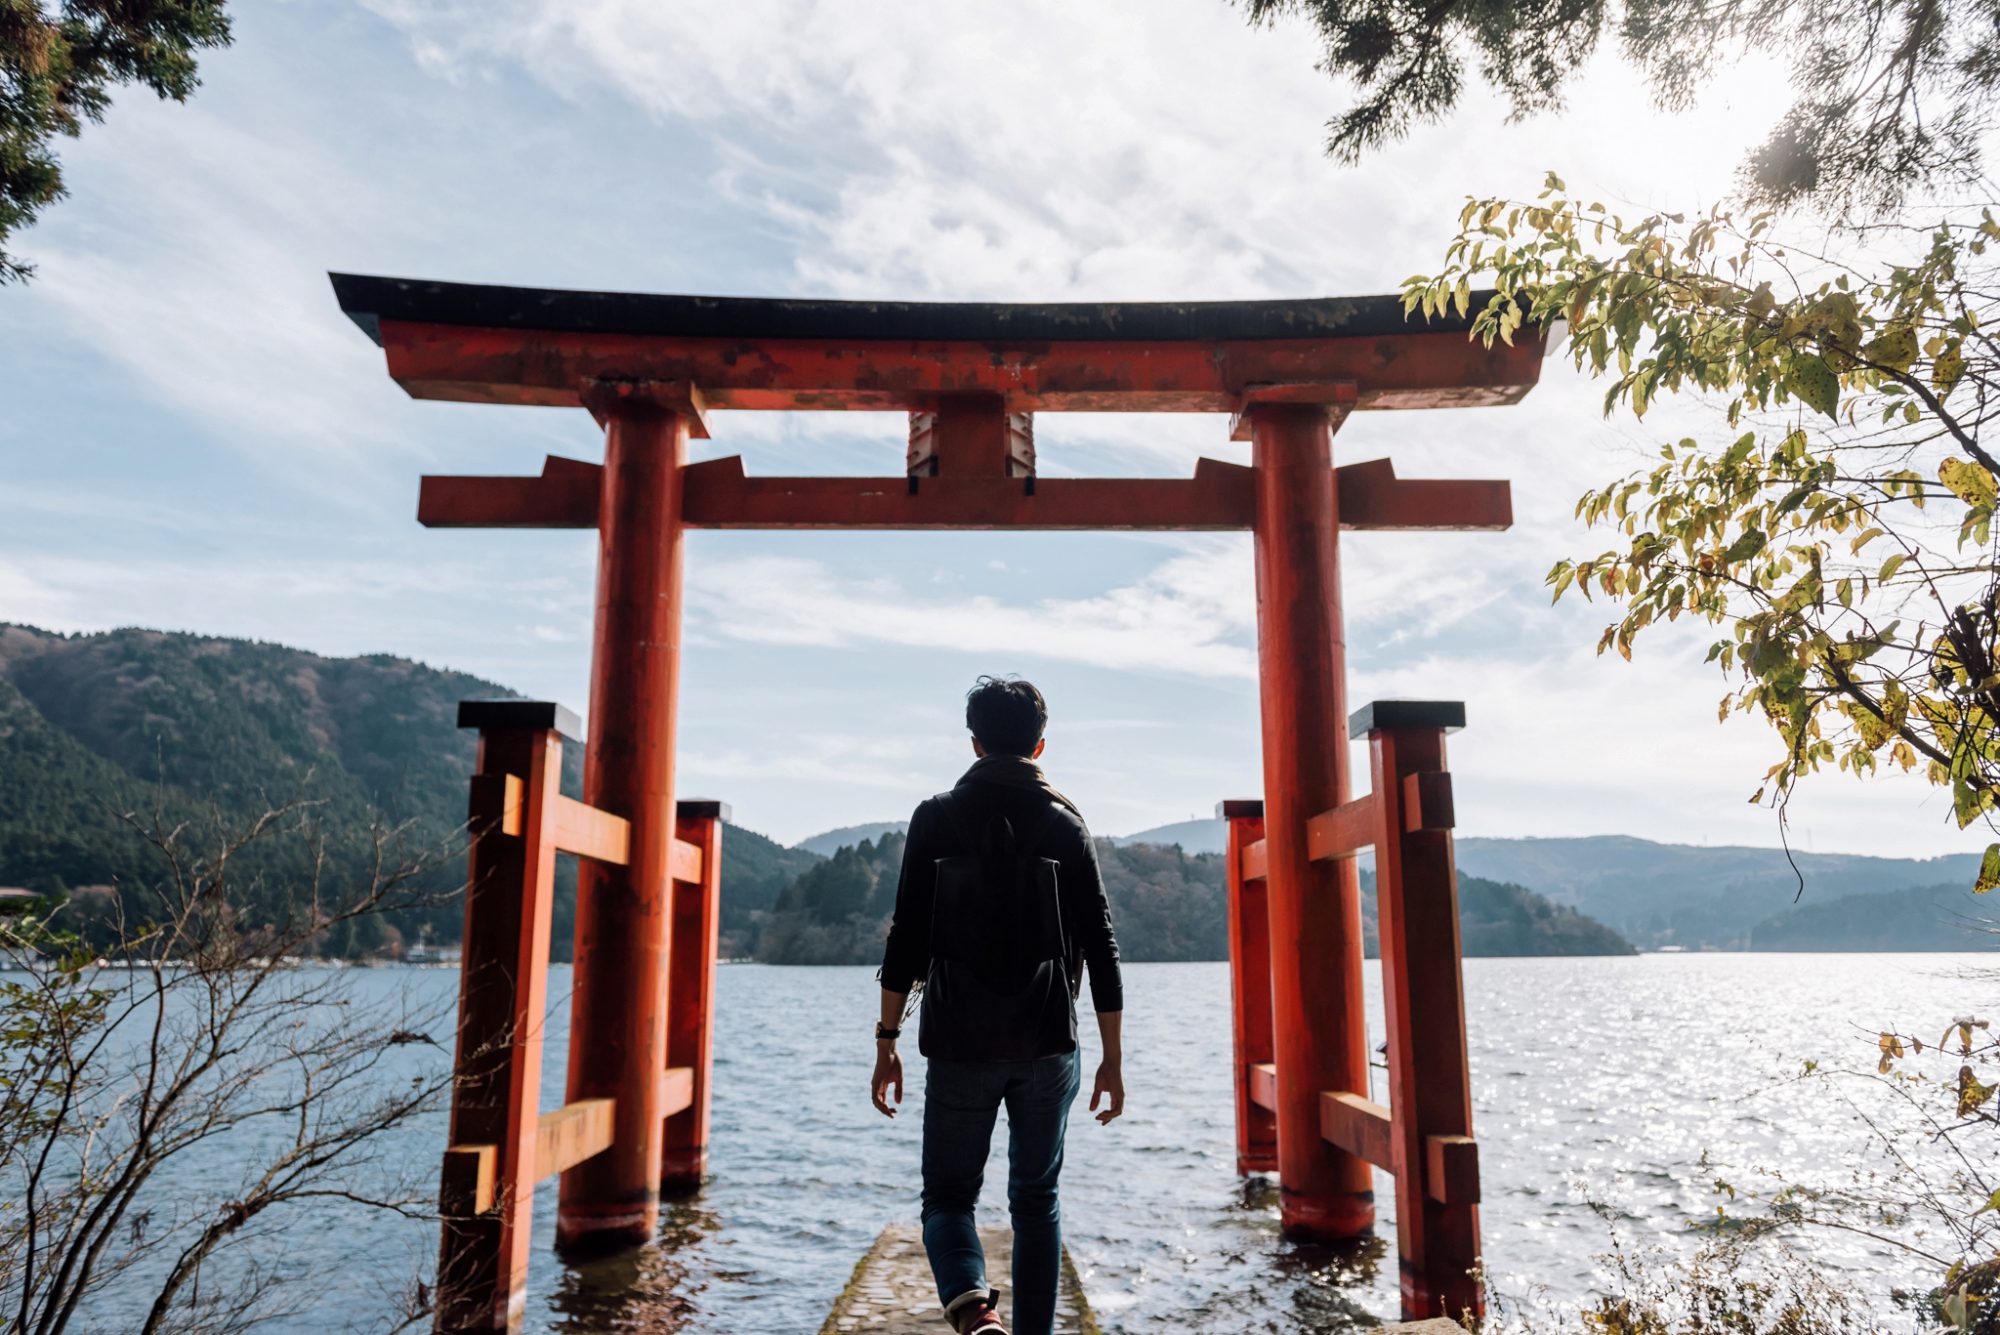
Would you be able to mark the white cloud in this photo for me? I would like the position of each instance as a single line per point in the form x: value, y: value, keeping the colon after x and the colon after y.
x: 1187, y: 617
x: 211, y: 299
x: 28, y: 598
x: 1043, y: 151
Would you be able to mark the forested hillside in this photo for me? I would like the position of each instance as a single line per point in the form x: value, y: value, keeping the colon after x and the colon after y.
x: 215, y: 731
x: 1930, y: 917
x: 1168, y: 905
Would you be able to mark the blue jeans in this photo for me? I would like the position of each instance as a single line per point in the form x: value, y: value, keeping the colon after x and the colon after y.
x: 960, y: 1101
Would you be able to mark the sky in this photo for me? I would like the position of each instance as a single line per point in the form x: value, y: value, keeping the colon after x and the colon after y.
x: 193, y: 437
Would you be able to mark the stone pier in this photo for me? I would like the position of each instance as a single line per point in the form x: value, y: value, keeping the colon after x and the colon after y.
x: 892, y: 1293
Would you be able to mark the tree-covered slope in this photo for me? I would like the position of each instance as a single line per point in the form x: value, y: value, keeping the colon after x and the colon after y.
x: 219, y: 730
x: 1929, y: 917
x: 1167, y: 905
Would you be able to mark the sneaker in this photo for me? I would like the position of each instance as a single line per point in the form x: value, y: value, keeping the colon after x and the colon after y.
x: 980, y: 1318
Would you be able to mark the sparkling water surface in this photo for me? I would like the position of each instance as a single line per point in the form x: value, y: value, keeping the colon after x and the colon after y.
x: 1599, y: 1084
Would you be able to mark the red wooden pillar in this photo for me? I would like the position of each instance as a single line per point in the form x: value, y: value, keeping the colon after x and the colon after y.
x: 1249, y: 987
x: 618, y: 1046
x: 487, y: 1192
x: 1320, y: 1033
x: 691, y: 994
x: 1423, y: 993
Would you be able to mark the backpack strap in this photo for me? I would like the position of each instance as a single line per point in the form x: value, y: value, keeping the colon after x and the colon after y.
x: 956, y: 818
x: 1040, y: 830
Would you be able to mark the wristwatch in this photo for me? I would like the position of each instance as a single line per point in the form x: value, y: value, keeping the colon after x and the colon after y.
x: 883, y: 1032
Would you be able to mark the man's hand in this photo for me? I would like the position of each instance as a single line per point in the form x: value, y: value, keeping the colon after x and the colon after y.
x: 888, y: 1076
x: 1111, y: 1088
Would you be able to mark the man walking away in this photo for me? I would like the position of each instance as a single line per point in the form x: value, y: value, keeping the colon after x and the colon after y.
x: 999, y: 908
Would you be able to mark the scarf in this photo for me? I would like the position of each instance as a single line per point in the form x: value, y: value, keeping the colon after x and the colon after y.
x: 1017, y: 772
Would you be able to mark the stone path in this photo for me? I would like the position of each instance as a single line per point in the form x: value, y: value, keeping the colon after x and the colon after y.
x: 892, y: 1293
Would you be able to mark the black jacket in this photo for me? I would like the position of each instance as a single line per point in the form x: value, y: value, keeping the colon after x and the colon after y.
x: 1014, y: 788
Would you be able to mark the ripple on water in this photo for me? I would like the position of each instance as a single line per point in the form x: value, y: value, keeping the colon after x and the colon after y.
x: 1599, y: 1085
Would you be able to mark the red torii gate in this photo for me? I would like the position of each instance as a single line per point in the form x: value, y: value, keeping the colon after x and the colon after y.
x: 650, y: 369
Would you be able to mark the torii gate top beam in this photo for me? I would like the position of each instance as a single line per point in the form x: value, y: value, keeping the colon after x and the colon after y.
x: 483, y: 344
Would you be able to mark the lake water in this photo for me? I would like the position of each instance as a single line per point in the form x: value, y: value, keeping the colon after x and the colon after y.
x: 1596, y: 1081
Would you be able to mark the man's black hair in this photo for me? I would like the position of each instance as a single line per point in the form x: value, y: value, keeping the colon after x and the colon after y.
x: 1006, y: 715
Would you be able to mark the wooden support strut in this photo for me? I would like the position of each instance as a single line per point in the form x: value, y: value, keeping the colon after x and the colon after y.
x: 500, y: 1148
x: 1432, y: 1153
x: 503, y: 989
x: 1250, y: 990
x: 1423, y: 1137
x: 697, y: 915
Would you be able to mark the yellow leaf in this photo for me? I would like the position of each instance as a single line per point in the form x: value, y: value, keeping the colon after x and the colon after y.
x: 1896, y: 348
x: 1969, y: 482
x: 1948, y: 369
x: 1989, y: 870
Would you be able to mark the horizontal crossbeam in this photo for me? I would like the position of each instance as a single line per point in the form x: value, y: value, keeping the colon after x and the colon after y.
x: 500, y: 800
x: 572, y: 1133
x: 564, y: 1138
x: 1415, y: 368
x: 1264, y: 1085
x: 1345, y: 830
x: 676, y: 1090
x: 1366, y: 1129
x: 1360, y: 1126
x: 719, y: 494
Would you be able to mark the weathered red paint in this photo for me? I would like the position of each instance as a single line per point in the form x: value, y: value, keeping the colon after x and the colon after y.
x: 1423, y: 995
x: 1220, y: 496
x: 623, y: 913
x: 1315, y: 907
x: 525, y: 366
x: 503, y: 994
x: 691, y: 997
x: 1250, y: 998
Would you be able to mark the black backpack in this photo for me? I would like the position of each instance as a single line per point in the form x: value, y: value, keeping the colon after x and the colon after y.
x: 998, y: 987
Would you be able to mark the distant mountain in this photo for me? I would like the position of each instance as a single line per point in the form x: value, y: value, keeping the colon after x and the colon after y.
x: 1190, y: 836
x: 1167, y: 903
x: 137, y: 719
x: 847, y: 836
x: 1696, y: 896
x: 1930, y: 917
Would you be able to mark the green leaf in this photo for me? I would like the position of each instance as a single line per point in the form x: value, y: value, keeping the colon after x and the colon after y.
x: 1745, y: 547
x: 1814, y: 384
